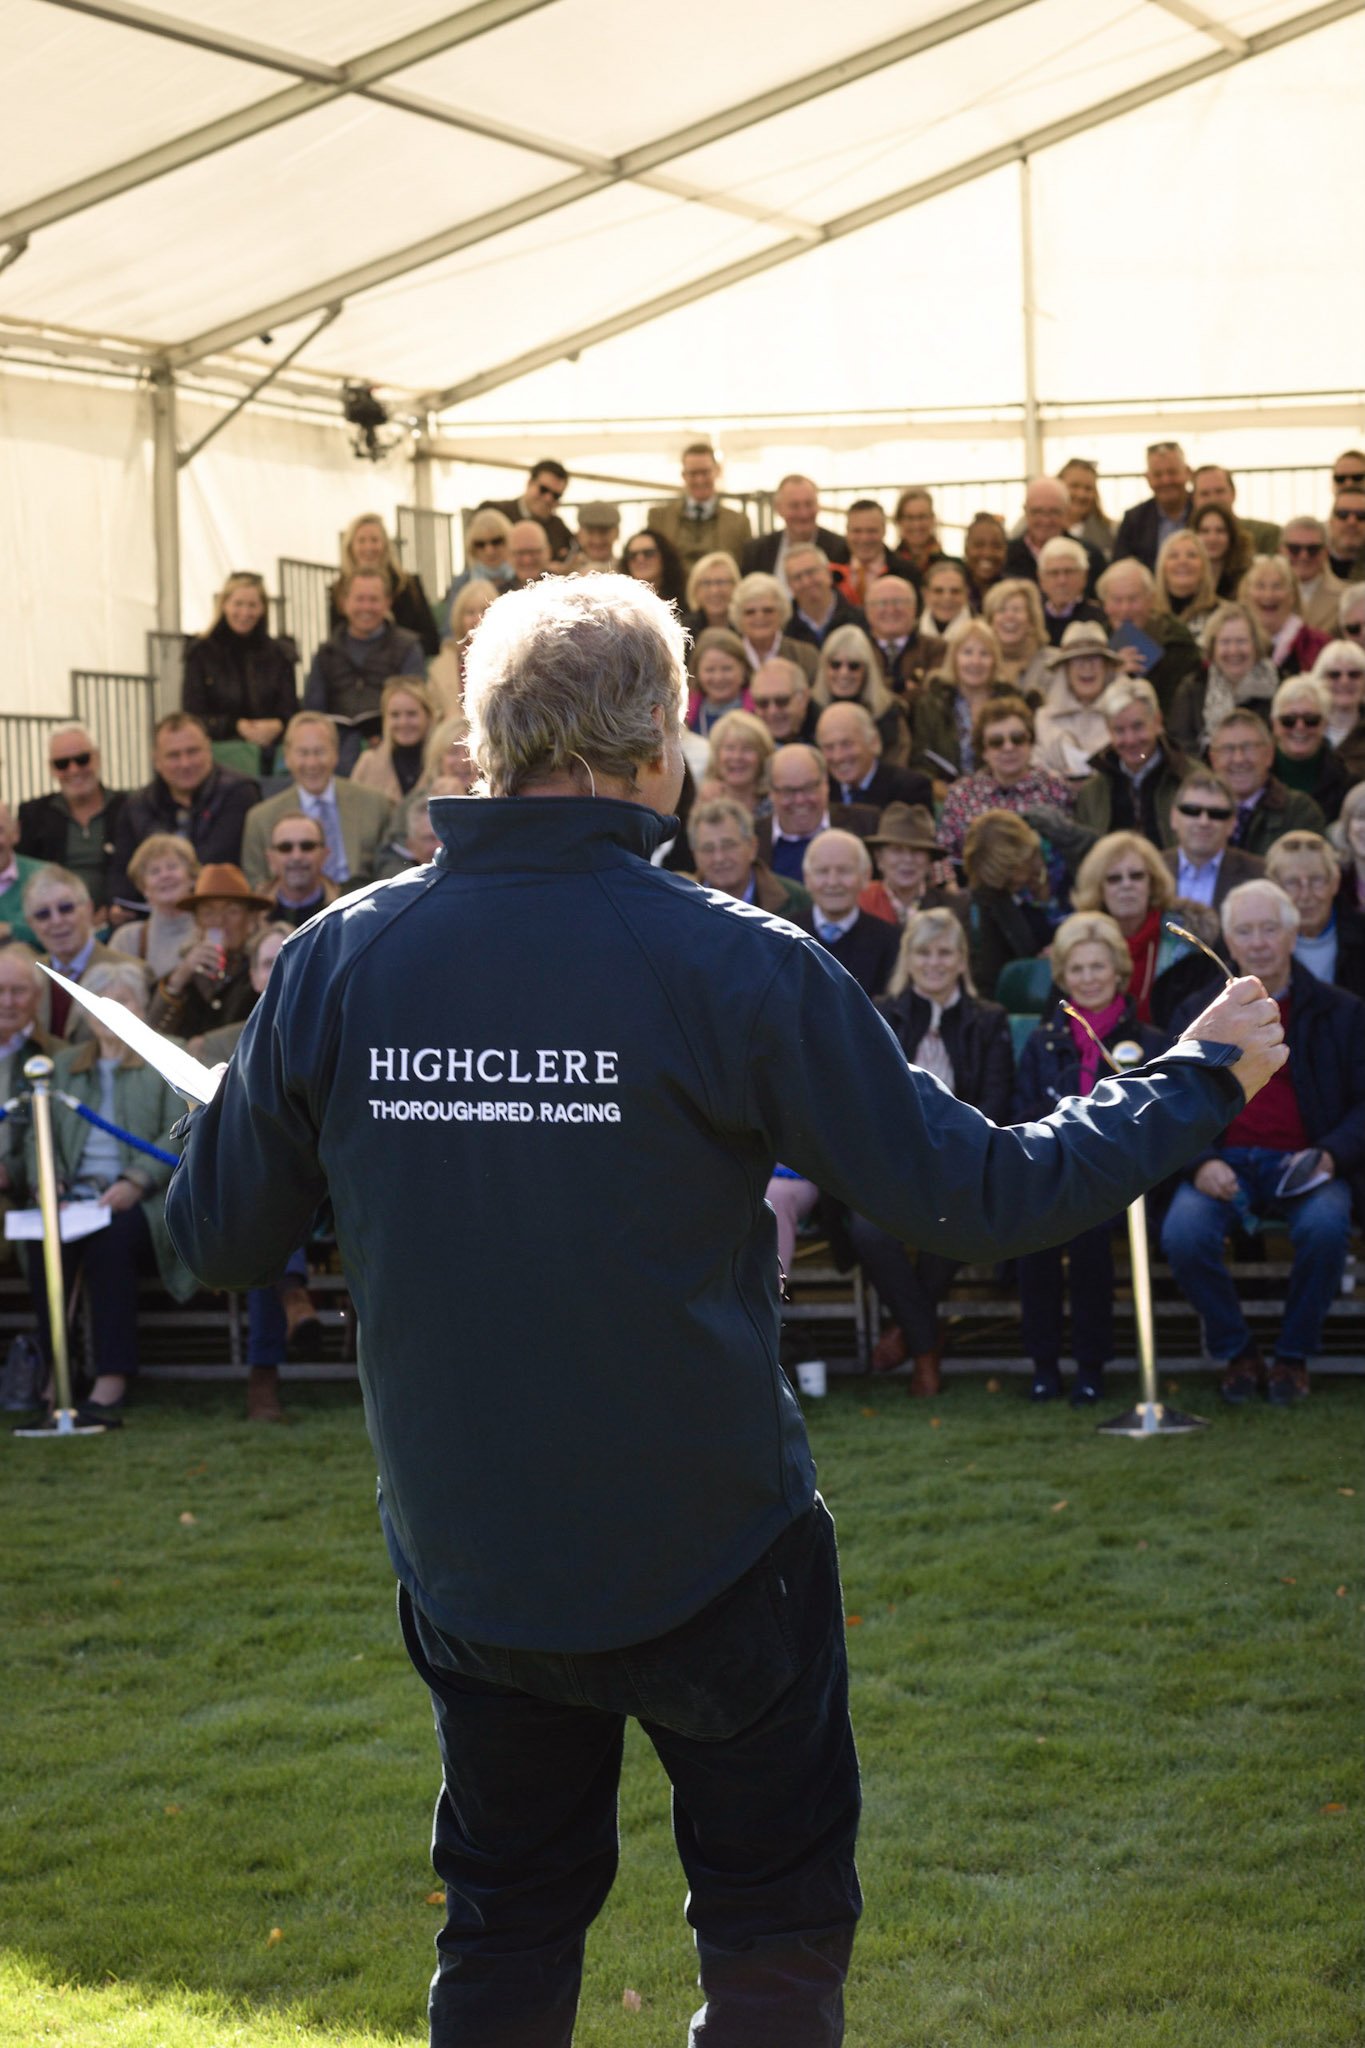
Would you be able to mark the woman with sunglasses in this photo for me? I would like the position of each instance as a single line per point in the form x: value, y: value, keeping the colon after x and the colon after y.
x: 1125, y: 877
x: 848, y: 672
x: 486, y: 559
x: 650, y: 557
x: 1003, y: 741
x: 1340, y: 668
x: 1304, y: 756
x: 1237, y: 675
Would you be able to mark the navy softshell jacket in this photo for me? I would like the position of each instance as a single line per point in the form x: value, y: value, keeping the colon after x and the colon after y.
x: 545, y: 1084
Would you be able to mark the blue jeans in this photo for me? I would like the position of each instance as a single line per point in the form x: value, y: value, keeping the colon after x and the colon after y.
x: 746, y: 1705
x: 1319, y: 1226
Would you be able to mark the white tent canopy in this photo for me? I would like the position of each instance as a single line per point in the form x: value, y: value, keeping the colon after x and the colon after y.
x: 529, y: 222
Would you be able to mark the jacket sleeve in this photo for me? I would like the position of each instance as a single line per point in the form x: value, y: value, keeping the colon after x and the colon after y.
x: 830, y: 1089
x: 249, y: 1178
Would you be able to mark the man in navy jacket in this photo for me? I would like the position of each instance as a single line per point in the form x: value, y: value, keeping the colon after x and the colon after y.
x: 545, y: 1084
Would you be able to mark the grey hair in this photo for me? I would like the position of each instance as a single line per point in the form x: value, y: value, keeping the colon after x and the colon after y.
x: 722, y: 810
x: 51, y: 876
x: 759, y: 584
x: 1309, y: 686
x: 1349, y: 599
x: 573, y: 668
x: 849, y: 839
x: 1289, y: 916
x: 119, y: 977
x: 1126, y: 563
x: 867, y: 724
x: 1128, y: 690
x: 1062, y: 548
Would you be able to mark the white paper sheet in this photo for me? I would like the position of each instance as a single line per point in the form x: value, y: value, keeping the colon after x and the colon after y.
x: 78, y: 1219
x: 188, y: 1076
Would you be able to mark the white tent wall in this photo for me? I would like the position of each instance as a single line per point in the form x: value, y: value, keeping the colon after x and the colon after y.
x: 75, y: 535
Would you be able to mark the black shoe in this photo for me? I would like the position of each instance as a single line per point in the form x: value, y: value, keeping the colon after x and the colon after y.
x: 1088, y: 1386
x: 1287, y: 1382
x: 104, y: 1414
x: 1047, y: 1383
x: 1243, y: 1377
x: 23, y: 1377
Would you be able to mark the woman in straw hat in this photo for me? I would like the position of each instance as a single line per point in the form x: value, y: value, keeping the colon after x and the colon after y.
x: 1071, y: 726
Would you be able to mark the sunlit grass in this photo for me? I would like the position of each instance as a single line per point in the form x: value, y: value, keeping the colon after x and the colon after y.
x: 1106, y: 1696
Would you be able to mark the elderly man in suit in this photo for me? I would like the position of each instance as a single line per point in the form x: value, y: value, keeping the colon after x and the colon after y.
x: 848, y: 738
x: 57, y: 907
x: 796, y: 502
x: 1144, y: 529
x: 697, y: 523
x: 799, y: 783
x: 355, y: 821
x: 836, y: 869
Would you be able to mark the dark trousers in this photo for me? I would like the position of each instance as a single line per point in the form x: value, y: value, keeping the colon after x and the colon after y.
x: 1091, y: 1257
x: 267, y: 1327
x: 111, y: 1259
x: 747, y: 1708
x: 911, y: 1284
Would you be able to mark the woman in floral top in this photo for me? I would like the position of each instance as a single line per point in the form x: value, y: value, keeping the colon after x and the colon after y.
x: 1002, y: 739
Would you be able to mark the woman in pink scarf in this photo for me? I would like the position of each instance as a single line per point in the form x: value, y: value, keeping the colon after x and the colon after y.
x: 1092, y: 966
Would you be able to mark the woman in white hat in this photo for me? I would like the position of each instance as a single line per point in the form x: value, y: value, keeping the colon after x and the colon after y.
x: 1071, y: 726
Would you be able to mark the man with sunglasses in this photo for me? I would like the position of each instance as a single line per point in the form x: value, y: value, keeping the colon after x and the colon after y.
x: 545, y: 486
x: 74, y: 825
x: 1305, y: 546
x: 296, y: 853
x: 58, y: 908
x: 780, y: 695
x: 1204, y: 863
x: 1346, y: 532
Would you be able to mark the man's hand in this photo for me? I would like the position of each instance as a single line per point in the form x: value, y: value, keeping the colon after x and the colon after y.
x: 1133, y: 663
x: 121, y: 1194
x: 1215, y: 1177
x: 203, y: 957
x: 1245, y: 1016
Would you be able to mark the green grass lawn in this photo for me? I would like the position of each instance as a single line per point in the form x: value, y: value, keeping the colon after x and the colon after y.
x: 1106, y: 1693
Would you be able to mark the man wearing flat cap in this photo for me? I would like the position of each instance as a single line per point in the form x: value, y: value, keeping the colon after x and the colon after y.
x: 599, y: 529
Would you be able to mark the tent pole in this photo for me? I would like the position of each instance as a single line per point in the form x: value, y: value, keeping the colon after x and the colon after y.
x: 1033, y: 428
x: 166, y: 501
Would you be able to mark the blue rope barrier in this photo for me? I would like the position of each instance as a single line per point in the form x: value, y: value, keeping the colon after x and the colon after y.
x: 126, y: 1137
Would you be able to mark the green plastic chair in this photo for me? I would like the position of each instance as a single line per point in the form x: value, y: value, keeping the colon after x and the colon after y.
x: 1021, y: 1030
x: 1023, y: 986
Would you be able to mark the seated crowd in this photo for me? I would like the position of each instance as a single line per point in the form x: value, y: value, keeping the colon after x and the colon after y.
x: 1047, y: 778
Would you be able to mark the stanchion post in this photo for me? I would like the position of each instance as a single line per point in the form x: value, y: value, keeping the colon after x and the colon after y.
x: 1151, y: 1417
x: 38, y: 1074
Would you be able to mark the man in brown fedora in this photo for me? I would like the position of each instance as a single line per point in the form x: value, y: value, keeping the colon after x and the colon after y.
x: 211, y: 983
x: 904, y: 848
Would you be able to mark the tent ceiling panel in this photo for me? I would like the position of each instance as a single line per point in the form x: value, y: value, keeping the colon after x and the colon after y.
x: 1203, y: 307
x: 307, y: 200
x: 945, y: 106
x: 587, y: 262
x: 80, y: 94
x: 689, y: 65
x: 332, y: 30
x: 917, y: 312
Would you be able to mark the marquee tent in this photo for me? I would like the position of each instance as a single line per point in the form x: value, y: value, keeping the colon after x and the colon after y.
x: 924, y: 239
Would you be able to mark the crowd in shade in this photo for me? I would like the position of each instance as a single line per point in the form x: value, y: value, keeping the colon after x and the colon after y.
x: 1027, y: 789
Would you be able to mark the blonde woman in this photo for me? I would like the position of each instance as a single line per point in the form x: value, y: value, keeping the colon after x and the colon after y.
x: 446, y: 754
x: 848, y: 672
x: 944, y: 713
x: 941, y: 1026
x: 1124, y: 876
x: 445, y: 676
x: 738, y: 756
x: 1185, y: 585
x: 366, y: 545
x: 1270, y: 592
x: 1014, y: 611
x: 485, y: 547
x: 239, y: 681
x: 1091, y: 966
x: 165, y: 869
x: 711, y: 586
x: 407, y: 716
x: 759, y: 612
x: 1007, y: 907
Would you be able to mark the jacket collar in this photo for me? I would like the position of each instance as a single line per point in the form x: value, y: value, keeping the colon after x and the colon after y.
x: 505, y: 834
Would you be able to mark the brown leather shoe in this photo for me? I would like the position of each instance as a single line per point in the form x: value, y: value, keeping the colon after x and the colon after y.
x: 263, y: 1394
x: 303, y: 1329
x: 927, y: 1378
x: 890, y: 1350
